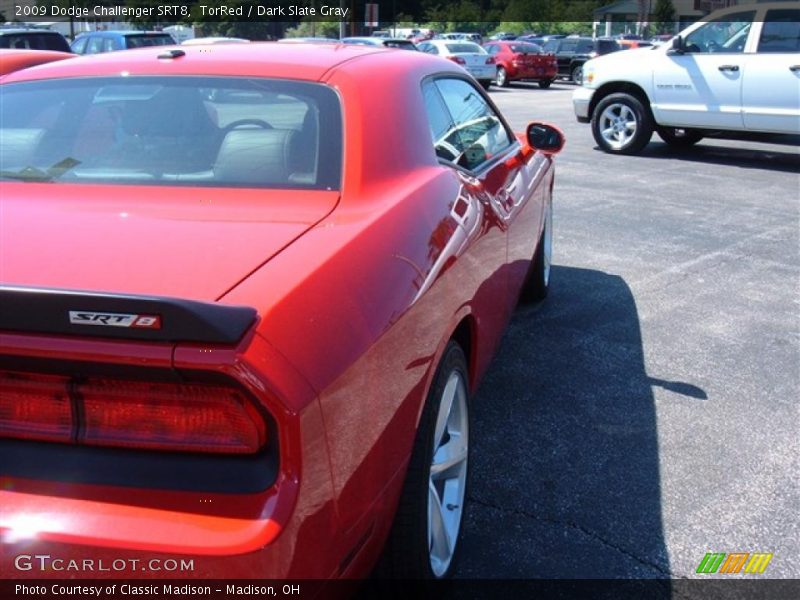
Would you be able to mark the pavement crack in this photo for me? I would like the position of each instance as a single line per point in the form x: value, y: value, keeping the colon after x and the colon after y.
x: 579, y: 528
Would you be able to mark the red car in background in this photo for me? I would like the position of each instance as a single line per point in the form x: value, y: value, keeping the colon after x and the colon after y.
x: 517, y: 61
x: 14, y: 60
x: 244, y: 311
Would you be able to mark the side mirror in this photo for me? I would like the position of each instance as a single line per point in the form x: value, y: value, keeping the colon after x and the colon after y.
x: 545, y: 138
x: 677, y: 45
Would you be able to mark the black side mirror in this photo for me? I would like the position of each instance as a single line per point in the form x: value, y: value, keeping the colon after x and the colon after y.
x: 677, y: 44
x: 545, y: 138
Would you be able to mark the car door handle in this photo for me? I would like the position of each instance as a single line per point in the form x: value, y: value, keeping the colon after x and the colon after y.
x: 728, y: 67
x: 794, y: 68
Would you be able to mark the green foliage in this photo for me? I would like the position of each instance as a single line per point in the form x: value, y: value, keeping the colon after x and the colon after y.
x: 329, y: 29
x: 664, y: 16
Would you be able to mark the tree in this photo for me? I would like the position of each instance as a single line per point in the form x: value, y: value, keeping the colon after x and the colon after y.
x: 664, y: 16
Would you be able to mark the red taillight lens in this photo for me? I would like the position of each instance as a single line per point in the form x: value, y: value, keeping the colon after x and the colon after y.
x: 490, y: 60
x: 170, y: 417
x: 35, y: 408
x: 457, y: 59
x: 130, y: 414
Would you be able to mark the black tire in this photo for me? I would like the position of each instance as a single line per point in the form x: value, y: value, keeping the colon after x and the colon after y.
x: 537, y: 282
x: 502, y: 77
x: 576, y: 74
x: 620, y: 105
x: 679, y: 138
x: 486, y: 83
x: 545, y: 83
x: 407, y: 554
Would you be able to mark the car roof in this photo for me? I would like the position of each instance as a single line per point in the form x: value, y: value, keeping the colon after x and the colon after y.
x: 31, y: 30
x: 305, y: 61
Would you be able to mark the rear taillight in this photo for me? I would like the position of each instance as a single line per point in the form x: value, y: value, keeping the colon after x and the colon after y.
x: 490, y: 60
x: 35, y: 408
x: 457, y: 59
x: 130, y: 414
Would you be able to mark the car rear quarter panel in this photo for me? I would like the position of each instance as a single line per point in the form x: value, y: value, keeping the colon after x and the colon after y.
x: 352, y: 320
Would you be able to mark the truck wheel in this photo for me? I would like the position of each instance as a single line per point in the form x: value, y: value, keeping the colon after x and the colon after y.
x: 679, y: 138
x: 577, y: 74
x: 545, y: 83
x: 621, y: 124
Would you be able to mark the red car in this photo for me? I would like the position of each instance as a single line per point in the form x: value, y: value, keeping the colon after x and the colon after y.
x: 14, y: 60
x: 522, y: 60
x: 244, y: 311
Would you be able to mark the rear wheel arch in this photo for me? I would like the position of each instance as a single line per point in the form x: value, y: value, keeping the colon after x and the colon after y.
x: 623, y: 87
x: 464, y: 336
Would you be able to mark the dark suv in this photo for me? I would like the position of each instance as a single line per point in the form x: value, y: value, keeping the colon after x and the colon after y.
x: 95, y: 42
x: 33, y: 39
x: 572, y: 52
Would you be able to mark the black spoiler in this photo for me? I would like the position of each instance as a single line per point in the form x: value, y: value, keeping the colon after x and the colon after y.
x: 121, y: 316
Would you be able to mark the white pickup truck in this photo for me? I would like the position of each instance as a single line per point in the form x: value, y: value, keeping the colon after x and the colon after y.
x: 738, y: 70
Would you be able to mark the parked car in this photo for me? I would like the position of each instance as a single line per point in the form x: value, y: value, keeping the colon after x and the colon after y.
x: 469, y: 55
x: 14, y: 60
x: 736, y: 71
x: 460, y: 36
x: 244, y: 311
x: 96, y: 42
x: 517, y: 61
x: 503, y: 36
x: 572, y: 52
x: 540, y: 40
x: 385, y: 42
x: 626, y: 44
x: 16, y: 38
x: 309, y: 40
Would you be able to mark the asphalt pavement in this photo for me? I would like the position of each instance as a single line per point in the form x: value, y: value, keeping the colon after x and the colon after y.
x: 647, y: 412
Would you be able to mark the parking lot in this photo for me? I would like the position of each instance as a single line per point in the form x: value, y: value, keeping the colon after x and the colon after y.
x: 646, y: 413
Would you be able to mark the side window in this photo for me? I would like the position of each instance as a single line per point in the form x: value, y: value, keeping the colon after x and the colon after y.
x: 79, y: 45
x: 109, y: 45
x: 493, y: 49
x: 568, y: 46
x: 95, y: 45
x: 781, y: 31
x: 476, y: 134
x: 439, y: 122
x: 727, y: 34
x: 551, y: 46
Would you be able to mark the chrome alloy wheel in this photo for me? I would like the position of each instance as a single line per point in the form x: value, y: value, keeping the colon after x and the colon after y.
x: 448, y: 473
x: 618, y: 125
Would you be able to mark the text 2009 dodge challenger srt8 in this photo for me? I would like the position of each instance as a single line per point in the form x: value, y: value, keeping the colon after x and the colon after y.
x: 246, y: 295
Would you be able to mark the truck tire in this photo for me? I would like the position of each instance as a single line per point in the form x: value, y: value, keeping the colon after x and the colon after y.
x: 621, y: 124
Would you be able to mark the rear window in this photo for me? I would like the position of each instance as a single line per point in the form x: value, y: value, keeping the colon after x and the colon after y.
x: 403, y: 44
x: 606, y: 46
x: 34, y: 41
x: 196, y: 131
x: 140, y: 41
x: 526, y: 48
x: 465, y: 48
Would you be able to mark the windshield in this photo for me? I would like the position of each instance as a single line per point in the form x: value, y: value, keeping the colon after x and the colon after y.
x: 200, y: 131
x: 140, y: 41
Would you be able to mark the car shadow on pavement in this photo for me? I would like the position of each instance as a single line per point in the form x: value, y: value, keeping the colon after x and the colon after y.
x: 718, y: 151
x: 565, y: 461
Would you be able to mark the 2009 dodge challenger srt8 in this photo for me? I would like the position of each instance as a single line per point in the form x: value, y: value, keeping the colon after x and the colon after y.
x: 246, y: 293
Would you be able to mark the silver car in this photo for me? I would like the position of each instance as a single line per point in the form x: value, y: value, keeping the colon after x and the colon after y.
x: 471, y: 56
